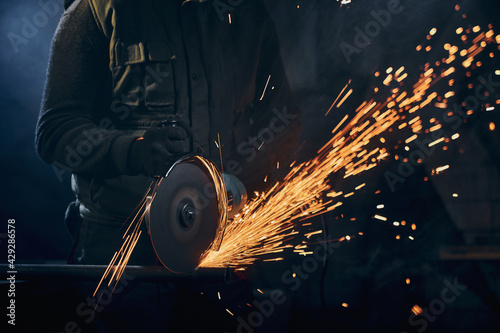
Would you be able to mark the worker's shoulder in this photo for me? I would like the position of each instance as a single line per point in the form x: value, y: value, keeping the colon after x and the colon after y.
x: 104, y: 11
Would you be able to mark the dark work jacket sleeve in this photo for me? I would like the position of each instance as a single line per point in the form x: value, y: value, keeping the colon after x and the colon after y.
x: 69, y: 133
x: 275, y: 117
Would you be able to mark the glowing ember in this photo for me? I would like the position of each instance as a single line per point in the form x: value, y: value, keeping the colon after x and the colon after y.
x: 381, y: 218
x: 417, y: 310
x: 440, y: 169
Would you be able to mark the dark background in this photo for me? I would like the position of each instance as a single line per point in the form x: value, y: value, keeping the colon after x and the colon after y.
x: 369, y: 272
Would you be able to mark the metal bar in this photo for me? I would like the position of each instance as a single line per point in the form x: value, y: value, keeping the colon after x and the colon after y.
x: 95, y: 272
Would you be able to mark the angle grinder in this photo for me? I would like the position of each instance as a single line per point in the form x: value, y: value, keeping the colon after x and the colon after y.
x: 188, y: 210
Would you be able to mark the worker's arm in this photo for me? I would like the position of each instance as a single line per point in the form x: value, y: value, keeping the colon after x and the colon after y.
x: 75, y: 131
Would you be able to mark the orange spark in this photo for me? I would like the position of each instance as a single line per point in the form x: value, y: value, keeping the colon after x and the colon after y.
x: 336, y: 99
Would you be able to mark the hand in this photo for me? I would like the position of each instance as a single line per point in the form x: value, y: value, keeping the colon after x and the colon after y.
x: 154, y: 153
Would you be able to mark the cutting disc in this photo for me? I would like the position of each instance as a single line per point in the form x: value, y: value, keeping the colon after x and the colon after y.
x: 184, y: 216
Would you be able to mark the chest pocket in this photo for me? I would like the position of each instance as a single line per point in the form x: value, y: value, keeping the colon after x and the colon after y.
x: 143, y: 74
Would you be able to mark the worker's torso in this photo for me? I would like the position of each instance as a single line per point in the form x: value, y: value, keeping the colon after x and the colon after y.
x: 194, y: 62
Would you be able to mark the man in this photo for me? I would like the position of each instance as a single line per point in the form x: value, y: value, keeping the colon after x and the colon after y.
x: 122, y: 72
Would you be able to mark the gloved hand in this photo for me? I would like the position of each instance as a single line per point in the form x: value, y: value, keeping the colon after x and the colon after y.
x: 237, y: 194
x: 155, y: 152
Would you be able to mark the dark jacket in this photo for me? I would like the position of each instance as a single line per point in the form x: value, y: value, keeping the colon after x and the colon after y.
x: 118, y: 68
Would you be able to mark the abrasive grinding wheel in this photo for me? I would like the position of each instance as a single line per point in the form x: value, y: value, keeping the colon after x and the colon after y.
x: 187, y: 214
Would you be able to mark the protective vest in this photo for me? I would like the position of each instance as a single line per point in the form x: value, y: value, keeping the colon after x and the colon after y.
x: 141, y: 57
x: 195, y: 61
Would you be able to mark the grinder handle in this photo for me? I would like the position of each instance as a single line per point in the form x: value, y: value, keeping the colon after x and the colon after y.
x: 236, y: 193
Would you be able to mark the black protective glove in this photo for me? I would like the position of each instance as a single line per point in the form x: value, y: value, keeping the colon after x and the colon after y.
x: 155, y: 152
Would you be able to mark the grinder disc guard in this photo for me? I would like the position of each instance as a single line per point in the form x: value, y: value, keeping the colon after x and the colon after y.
x: 187, y: 215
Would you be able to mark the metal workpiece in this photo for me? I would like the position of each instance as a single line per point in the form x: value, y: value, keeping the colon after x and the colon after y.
x: 40, y: 272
